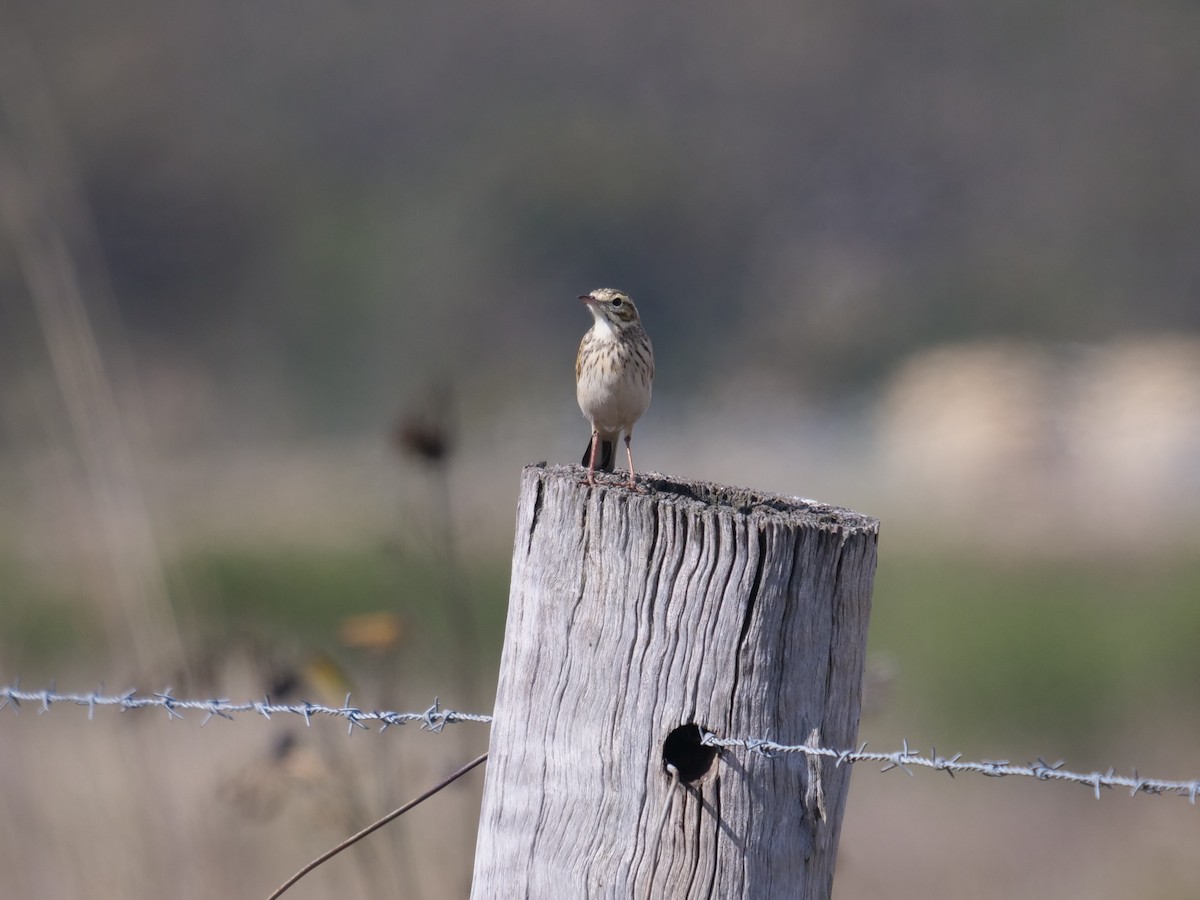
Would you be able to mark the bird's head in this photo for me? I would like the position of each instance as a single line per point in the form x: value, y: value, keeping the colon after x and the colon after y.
x: 611, y: 308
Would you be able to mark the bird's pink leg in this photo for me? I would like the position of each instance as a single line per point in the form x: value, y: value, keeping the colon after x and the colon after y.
x: 591, y: 475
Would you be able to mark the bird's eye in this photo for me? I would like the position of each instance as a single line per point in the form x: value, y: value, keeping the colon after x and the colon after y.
x: 617, y: 301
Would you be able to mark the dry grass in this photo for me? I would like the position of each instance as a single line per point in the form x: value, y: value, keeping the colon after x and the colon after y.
x: 134, y: 806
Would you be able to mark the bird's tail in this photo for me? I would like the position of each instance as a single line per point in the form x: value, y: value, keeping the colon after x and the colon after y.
x: 606, y: 453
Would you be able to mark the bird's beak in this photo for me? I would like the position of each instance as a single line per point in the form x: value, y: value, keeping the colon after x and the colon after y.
x: 587, y: 298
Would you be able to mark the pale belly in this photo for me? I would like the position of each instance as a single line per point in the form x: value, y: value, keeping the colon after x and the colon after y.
x: 613, y: 404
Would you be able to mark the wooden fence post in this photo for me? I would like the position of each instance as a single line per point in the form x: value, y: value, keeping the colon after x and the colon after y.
x: 632, y: 614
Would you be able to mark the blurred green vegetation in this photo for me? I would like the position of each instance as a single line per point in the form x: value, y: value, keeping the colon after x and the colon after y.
x: 40, y: 626
x: 288, y: 600
x: 1073, y: 648
x: 304, y: 595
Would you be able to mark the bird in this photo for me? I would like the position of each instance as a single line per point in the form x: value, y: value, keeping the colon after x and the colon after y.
x: 614, y: 372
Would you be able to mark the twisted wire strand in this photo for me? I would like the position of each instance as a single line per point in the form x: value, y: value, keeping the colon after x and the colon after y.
x: 435, y: 718
x: 907, y: 757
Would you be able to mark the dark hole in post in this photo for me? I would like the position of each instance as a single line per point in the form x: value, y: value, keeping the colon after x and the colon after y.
x: 683, y: 750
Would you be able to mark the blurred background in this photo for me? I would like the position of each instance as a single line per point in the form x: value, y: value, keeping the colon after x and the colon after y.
x: 287, y: 298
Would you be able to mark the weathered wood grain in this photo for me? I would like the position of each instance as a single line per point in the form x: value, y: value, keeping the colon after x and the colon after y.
x: 633, y: 613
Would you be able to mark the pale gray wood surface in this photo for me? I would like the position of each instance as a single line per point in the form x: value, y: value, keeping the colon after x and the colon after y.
x: 633, y: 613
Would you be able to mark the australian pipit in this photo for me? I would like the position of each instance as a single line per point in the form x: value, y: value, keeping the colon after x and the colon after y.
x: 614, y: 370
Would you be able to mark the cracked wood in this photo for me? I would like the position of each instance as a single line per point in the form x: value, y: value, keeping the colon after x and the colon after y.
x: 633, y: 613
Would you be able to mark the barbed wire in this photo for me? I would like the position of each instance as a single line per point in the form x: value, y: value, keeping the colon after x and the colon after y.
x: 435, y: 718
x: 906, y: 757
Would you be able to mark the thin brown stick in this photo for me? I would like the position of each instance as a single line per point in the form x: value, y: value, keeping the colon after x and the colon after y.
x: 329, y: 854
